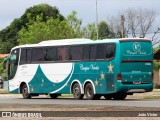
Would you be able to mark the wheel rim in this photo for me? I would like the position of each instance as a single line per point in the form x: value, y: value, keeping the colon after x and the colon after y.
x: 25, y: 92
x: 89, y: 92
x: 76, y: 92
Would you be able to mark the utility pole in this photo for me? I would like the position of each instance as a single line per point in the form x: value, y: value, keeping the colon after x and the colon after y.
x: 97, y: 20
x: 122, y: 25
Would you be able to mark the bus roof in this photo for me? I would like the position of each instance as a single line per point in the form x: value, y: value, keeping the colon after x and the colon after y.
x: 76, y: 41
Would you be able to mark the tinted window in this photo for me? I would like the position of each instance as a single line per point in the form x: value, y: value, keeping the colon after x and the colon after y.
x: 50, y: 54
x: 62, y: 53
x: 13, y: 63
x: 100, y: 51
x: 28, y: 53
x: 92, y: 52
x: 110, y: 51
x: 75, y: 53
x: 25, y: 56
x: 37, y: 54
x: 85, y: 55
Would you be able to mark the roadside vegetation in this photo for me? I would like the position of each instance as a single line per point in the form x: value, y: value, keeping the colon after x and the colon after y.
x: 2, y: 91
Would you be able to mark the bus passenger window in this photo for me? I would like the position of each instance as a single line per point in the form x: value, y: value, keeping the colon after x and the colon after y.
x: 63, y: 54
x: 28, y: 57
x: 110, y: 51
x: 50, y: 54
x: 37, y: 54
x: 85, y: 55
x: 75, y: 53
x: 92, y: 52
x: 100, y: 52
x: 25, y: 56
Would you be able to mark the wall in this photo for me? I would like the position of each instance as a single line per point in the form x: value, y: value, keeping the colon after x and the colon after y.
x: 156, y: 77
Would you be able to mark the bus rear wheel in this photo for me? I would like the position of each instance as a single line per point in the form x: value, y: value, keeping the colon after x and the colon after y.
x: 25, y: 93
x: 77, y: 92
x: 119, y: 96
x: 89, y: 92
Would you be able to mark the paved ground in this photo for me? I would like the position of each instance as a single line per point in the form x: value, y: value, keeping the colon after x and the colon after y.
x: 43, y: 100
x: 10, y: 102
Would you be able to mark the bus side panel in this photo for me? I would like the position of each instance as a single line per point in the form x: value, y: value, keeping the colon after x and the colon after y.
x: 100, y: 73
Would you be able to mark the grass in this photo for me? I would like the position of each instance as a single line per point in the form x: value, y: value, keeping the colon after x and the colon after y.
x: 154, y: 96
x: 2, y: 91
x: 66, y: 96
x: 151, y: 97
x: 156, y: 90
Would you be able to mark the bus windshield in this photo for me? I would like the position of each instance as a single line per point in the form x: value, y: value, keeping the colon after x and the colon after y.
x: 13, y: 63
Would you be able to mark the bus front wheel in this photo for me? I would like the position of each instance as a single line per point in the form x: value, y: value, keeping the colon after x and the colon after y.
x: 25, y: 93
x: 77, y: 92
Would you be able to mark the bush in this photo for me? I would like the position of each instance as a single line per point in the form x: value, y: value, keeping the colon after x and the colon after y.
x: 157, y: 86
x: 156, y: 65
x: 3, y: 73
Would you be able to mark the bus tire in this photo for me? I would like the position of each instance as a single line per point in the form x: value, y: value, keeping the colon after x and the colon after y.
x: 54, y: 96
x: 76, y: 90
x: 89, y: 92
x: 25, y: 93
x: 119, y: 96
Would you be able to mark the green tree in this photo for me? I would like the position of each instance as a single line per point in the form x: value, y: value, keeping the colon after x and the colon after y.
x: 3, y: 73
x: 40, y: 30
x: 75, y: 23
x: 90, y: 31
x: 156, y: 65
x: 104, y: 30
x: 45, y: 9
x: 7, y: 40
x: 9, y: 35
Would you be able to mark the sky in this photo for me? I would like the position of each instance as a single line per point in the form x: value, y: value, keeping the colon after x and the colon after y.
x: 86, y: 9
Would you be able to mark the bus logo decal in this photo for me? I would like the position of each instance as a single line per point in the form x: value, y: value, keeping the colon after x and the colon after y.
x: 136, y: 47
x: 91, y: 67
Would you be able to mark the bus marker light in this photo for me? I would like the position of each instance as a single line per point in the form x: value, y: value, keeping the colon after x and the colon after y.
x: 119, y: 77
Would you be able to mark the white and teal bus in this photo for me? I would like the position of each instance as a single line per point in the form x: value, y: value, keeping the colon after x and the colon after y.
x: 113, y: 68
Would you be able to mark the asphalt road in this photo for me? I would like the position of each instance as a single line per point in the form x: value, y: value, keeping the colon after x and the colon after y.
x: 17, y: 99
